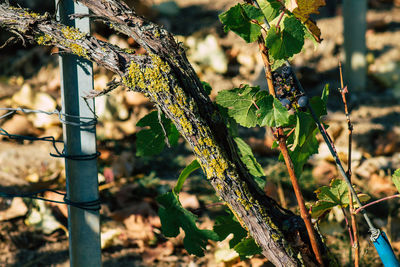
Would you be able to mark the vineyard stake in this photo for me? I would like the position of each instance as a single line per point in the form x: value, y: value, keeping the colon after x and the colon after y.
x: 82, y: 182
x: 354, y: 28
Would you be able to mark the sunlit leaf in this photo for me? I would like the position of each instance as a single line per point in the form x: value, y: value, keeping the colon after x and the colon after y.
x: 252, y: 12
x: 246, y: 155
x: 194, y: 165
x: 247, y: 247
x: 325, y: 93
x: 336, y: 194
x: 238, y: 19
x: 270, y: 8
x: 228, y: 224
x: 240, y: 104
x: 304, y: 125
x: 271, y: 112
x: 396, y: 179
x: 302, y: 153
x: 286, y: 41
x: 207, y: 87
x: 304, y: 10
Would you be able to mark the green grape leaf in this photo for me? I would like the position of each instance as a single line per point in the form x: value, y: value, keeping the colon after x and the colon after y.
x: 275, y: 144
x: 260, y: 181
x: 310, y: 36
x: 284, y: 43
x: 247, y: 247
x: 238, y: 19
x: 271, y: 112
x: 325, y: 93
x: 278, y: 63
x: 270, y: 8
x: 396, y: 179
x: 207, y: 87
x: 291, y: 138
x: 246, y: 155
x: 336, y: 194
x: 318, y: 106
x: 304, y: 125
x: 151, y: 141
x: 194, y: 165
x: 240, y: 104
x: 305, y: 122
x: 304, y: 142
x: 229, y: 121
x: 228, y: 224
x: 301, y: 153
x: 172, y: 133
x: 252, y: 12
x: 173, y: 216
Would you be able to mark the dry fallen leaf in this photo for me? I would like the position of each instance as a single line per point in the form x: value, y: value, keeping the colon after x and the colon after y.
x: 379, y: 185
x: 324, y: 172
x: 158, y: 253
x: 138, y: 227
x: 108, y: 237
x: 108, y: 174
x: 135, y: 99
x: 189, y: 201
x: 143, y: 209
x: 257, y: 262
x: 18, y: 124
x: 271, y: 190
x: 16, y: 209
x: 57, y: 207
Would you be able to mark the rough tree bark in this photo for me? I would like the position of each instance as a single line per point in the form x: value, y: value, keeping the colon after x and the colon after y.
x: 167, y: 78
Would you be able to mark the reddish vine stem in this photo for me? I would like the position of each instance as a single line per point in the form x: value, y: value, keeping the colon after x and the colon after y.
x: 375, y: 202
x: 305, y: 215
x: 280, y: 18
x: 348, y: 227
x: 281, y: 137
x: 355, y: 244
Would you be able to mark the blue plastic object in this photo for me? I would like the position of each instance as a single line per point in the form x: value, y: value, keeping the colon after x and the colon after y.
x: 385, y: 251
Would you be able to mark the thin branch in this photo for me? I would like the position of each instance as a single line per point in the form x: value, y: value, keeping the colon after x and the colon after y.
x: 42, y: 30
x: 9, y: 41
x: 356, y: 244
x: 281, y: 138
x: 348, y: 227
x: 112, y: 85
x: 20, y: 37
x: 375, y: 202
x: 280, y: 18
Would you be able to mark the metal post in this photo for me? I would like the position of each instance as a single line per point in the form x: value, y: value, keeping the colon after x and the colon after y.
x: 82, y: 181
x: 355, y: 26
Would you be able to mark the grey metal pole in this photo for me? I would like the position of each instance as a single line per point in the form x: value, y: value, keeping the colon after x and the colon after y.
x: 82, y: 181
x: 355, y: 26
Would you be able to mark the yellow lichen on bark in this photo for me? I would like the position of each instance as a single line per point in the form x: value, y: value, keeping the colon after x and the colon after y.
x: 151, y: 79
x: 72, y: 33
x: 43, y: 39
